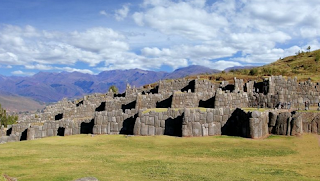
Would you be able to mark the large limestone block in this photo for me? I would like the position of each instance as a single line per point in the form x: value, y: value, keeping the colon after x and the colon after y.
x: 150, y: 121
x: 104, y: 129
x: 187, y: 129
x: 209, y: 117
x: 296, y: 126
x: 137, y: 127
x: 144, y: 129
x: 96, y: 129
x: 214, y: 128
x: 282, y: 123
x: 272, y: 119
x: 114, y: 127
x: 159, y: 131
x: 68, y: 131
x: 205, y: 130
x: 151, y: 130
x: 255, y: 114
x: 196, y: 129
x: 255, y: 128
x: 50, y: 132
x: 315, y: 125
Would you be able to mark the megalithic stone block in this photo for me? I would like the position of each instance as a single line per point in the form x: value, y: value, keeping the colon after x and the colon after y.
x: 196, y: 129
x: 214, y: 128
x: 104, y: 129
x: 137, y: 127
x: 144, y: 129
x: 255, y: 129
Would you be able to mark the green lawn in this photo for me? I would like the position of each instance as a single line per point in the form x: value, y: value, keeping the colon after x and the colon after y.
x: 117, y: 157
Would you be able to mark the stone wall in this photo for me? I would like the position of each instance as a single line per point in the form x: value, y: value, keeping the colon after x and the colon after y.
x: 149, y: 101
x: 159, y: 123
x: 176, y: 85
x: 231, y: 99
x: 203, y: 85
x: 115, y: 122
x: 238, y: 85
x: 182, y: 122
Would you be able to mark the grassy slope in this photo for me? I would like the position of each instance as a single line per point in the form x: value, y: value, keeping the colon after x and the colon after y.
x: 16, y: 103
x: 303, y: 66
x: 116, y: 157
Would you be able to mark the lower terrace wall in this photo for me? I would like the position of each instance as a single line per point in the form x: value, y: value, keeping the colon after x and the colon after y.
x: 173, y: 122
x: 115, y: 122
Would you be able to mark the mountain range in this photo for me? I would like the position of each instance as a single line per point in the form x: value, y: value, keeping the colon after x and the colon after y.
x: 51, y: 87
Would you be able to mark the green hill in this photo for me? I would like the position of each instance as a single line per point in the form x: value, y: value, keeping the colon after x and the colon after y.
x: 303, y: 65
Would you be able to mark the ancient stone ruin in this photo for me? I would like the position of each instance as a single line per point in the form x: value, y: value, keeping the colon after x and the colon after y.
x: 181, y: 108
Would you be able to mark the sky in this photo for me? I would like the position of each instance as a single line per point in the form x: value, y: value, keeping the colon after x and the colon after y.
x: 160, y: 35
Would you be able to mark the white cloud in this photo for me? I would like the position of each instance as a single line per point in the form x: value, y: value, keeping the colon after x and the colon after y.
x: 188, y: 19
x: 103, y: 12
x: 172, y: 33
x: 69, y: 69
x: 19, y: 72
x: 39, y: 67
x: 122, y: 13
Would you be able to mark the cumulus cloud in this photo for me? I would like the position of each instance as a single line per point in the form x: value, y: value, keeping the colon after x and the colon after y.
x: 122, y: 13
x: 217, y: 34
x: 19, y: 72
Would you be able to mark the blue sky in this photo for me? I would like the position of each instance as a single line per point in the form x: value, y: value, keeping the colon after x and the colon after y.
x: 93, y: 36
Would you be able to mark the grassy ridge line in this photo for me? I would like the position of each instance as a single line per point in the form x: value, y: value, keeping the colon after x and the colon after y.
x: 303, y: 65
x: 116, y: 157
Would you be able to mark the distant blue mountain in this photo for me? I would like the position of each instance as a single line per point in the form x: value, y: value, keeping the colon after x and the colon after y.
x: 52, y: 87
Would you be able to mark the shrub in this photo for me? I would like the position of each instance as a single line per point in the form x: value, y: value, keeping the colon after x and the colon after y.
x: 114, y: 89
x: 253, y: 71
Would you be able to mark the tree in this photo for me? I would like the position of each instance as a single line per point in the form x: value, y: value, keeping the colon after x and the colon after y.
x: 114, y: 89
x: 6, y: 119
x: 309, y: 48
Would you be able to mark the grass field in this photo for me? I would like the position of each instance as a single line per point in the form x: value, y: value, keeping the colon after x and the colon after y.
x: 117, y: 157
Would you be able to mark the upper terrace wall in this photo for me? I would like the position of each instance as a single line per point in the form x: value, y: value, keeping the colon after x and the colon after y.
x: 148, y: 101
x: 175, y: 85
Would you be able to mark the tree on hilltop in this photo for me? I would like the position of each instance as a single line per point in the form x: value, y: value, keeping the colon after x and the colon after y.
x: 114, y: 89
x: 309, y: 48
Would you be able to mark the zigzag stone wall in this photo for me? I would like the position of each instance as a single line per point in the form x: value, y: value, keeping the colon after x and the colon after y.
x: 126, y: 113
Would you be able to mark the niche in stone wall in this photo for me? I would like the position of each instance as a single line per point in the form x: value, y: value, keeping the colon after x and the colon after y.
x: 258, y: 87
x: 152, y: 91
x: 61, y: 131
x: 173, y: 126
x: 165, y: 103
x: 102, y: 107
x: 9, y: 131
x: 79, y: 103
x: 207, y: 103
x: 237, y: 124
x: 120, y: 95
x: 58, y: 116
x: 191, y: 86
x: 128, y: 125
x: 131, y: 105
x: 229, y: 87
x: 87, y: 128
x: 24, y: 135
